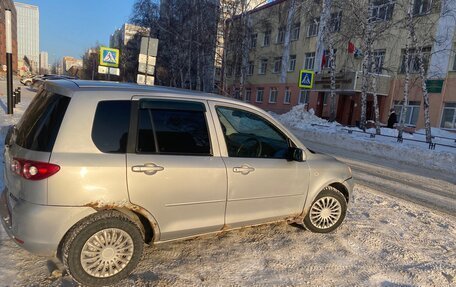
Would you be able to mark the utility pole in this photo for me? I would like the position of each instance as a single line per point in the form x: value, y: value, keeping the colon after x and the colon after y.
x: 9, y: 61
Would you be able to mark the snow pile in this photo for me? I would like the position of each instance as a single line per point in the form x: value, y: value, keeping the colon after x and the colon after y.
x: 299, y: 117
x: 309, y: 127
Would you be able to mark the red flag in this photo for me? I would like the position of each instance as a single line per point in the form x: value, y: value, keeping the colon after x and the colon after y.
x: 351, y: 48
x: 323, y: 59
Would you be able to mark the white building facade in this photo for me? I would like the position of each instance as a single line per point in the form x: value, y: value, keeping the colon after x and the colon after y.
x: 28, y: 37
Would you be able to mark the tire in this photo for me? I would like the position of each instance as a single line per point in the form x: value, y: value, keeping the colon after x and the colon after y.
x: 327, y: 211
x: 81, y: 242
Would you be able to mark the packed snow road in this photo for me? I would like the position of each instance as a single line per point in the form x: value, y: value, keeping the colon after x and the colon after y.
x: 433, y: 189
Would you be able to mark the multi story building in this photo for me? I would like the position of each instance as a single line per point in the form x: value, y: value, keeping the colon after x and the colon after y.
x: 228, y: 9
x: 7, y: 4
x: 263, y: 84
x: 70, y: 62
x: 122, y: 36
x: 28, y: 37
x: 44, y: 63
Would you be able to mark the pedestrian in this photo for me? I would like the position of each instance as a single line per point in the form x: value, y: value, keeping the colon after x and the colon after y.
x: 392, y: 119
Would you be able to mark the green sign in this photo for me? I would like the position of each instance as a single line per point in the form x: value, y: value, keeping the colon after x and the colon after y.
x: 109, y: 57
x: 306, y: 79
x: 434, y: 86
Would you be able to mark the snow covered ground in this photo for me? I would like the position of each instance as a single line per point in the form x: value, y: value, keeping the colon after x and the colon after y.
x: 385, y: 241
x: 443, y: 158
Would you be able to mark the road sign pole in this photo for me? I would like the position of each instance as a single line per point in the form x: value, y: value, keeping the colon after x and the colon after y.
x: 9, y: 61
x: 147, y: 61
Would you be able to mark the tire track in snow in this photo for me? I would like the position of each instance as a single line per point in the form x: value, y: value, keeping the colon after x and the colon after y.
x: 434, y: 190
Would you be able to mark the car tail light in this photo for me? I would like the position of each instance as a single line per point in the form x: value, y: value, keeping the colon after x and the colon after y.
x: 33, y: 170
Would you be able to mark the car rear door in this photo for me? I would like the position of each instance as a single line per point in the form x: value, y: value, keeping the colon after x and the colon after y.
x: 262, y: 185
x: 174, y: 168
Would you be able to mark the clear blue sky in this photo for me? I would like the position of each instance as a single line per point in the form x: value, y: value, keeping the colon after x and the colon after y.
x: 69, y: 27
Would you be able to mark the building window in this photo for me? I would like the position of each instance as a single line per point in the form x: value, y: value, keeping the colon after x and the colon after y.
x: 454, y: 63
x: 411, y: 116
x: 295, y: 31
x: 273, y: 95
x: 237, y: 94
x: 238, y: 71
x: 310, y: 61
x: 382, y: 10
x: 379, y: 59
x: 260, y: 95
x: 287, y: 96
x: 449, y: 116
x: 251, y: 68
x: 335, y: 22
x: 292, y: 63
x: 277, y: 64
x: 253, y: 40
x: 248, y: 95
x: 304, y: 97
x: 414, y: 63
x: 267, y: 38
x: 422, y: 7
x: 280, y: 35
x: 325, y: 98
x: 263, y: 66
x: 327, y: 59
x: 314, y: 26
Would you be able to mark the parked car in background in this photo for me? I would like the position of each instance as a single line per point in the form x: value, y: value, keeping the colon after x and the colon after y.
x: 27, y: 80
x: 94, y: 170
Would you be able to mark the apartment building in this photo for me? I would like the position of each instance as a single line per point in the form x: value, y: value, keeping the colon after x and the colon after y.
x: 121, y: 37
x: 263, y: 84
x: 28, y: 37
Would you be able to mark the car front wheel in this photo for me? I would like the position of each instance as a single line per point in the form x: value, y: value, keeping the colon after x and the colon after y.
x: 327, y: 211
x: 103, y: 249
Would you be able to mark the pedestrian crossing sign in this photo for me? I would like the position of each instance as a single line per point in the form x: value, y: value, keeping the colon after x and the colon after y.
x: 109, y: 57
x: 306, y: 79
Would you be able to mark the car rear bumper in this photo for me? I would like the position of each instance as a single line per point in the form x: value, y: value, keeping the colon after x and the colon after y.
x: 38, y: 228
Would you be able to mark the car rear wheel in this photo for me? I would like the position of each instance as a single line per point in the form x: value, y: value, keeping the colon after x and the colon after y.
x: 103, y: 249
x: 327, y: 211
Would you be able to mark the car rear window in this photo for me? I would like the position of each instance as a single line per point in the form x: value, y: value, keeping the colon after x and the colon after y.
x: 111, y: 125
x: 41, y: 122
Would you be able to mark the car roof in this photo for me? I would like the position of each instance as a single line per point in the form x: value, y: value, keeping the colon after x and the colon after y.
x: 76, y: 86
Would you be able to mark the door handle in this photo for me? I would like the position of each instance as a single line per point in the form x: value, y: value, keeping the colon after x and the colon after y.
x: 148, y: 168
x: 243, y: 169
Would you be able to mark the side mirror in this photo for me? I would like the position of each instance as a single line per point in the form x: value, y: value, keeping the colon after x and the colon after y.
x: 295, y: 154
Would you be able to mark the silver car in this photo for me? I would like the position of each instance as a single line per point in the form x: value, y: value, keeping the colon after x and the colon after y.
x: 94, y: 170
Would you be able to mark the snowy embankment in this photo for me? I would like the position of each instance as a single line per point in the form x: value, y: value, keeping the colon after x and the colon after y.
x: 443, y: 158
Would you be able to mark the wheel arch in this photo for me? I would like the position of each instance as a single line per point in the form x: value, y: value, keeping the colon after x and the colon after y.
x: 140, y: 216
x: 316, y: 190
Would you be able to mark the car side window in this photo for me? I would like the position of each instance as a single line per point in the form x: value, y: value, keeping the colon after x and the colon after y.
x: 172, y: 128
x: 111, y: 125
x: 249, y: 135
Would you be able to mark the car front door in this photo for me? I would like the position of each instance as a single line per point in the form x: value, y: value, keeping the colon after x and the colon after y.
x: 262, y: 185
x: 174, y: 169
